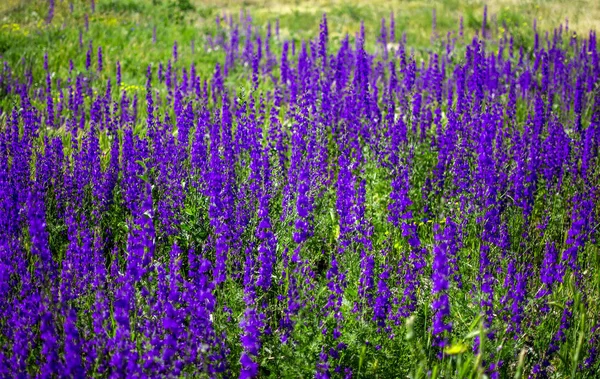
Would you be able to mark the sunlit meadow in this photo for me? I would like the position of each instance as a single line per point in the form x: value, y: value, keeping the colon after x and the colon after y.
x: 307, y: 189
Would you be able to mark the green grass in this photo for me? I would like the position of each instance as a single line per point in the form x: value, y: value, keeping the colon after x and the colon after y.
x: 124, y: 28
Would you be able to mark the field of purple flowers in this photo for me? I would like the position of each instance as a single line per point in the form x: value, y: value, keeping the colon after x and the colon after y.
x: 304, y: 208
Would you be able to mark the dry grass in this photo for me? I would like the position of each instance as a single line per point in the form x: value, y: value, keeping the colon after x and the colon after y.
x: 7, y: 6
x: 582, y: 15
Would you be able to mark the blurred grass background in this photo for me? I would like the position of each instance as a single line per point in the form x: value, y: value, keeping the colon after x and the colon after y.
x: 124, y: 28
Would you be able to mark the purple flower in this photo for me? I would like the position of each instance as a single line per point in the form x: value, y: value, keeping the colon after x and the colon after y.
x: 440, y: 273
x: 99, y: 58
x: 73, y: 366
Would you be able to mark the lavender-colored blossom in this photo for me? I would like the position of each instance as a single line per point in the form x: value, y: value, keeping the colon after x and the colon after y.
x: 347, y: 194
x: 440, y: 273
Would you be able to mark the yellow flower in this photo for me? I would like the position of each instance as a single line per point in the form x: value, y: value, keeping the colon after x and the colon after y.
x: 455, y: 349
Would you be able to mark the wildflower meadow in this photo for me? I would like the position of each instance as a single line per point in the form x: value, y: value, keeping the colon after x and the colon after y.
x: 188, y: 190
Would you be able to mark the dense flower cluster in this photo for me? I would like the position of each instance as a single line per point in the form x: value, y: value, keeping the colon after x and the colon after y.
x: 205, y: 228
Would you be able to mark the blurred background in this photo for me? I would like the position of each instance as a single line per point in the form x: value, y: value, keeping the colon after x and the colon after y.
x: 124, y: 28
